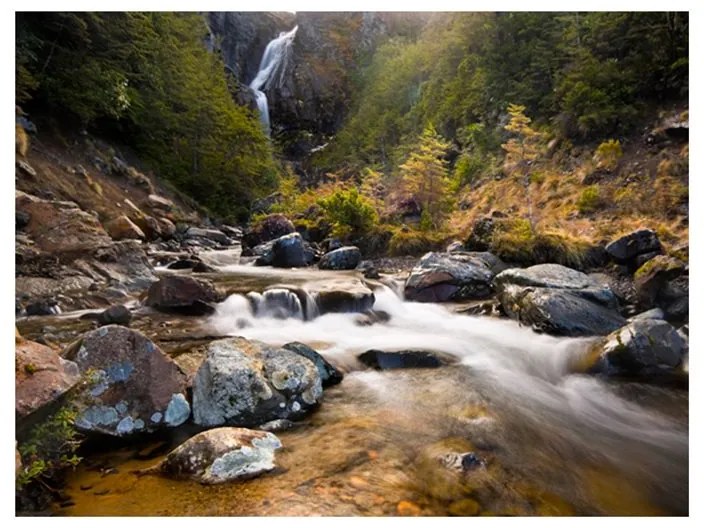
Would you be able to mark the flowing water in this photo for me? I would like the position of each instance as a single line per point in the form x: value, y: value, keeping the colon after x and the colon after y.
x: 272, y: 71
x: 551, y: 441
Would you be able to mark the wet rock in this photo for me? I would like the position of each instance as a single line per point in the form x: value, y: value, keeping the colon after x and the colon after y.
x: 243, y: 382
x: 372, y: 317
x: 461, y: 461
x: 43, y: 307
x: 368, y: 269
x: 625, y: 249
x: 202, y: 267
x: 350, y: 296
x: 211, y: 234
x: 182, y: 294
x: 288, y: 252
x: 222, y: 455
x: 41, y: 377
x: 182, y: 264
x: 331, y: 244
x: 558, y: 300
x: 440, y: 277
x: 383, y: 360
x: 275, y: 426
x: 464, y: 508
x: 122, y: 228
x: 344, y: 258
x: 234, y: 233
x: 329, y: 375
x: 118, y: 314
x: 563, y: 312
x: 408, y: 509
x: 21, y: 219
x: 135, y: 386
x: 642, y: 348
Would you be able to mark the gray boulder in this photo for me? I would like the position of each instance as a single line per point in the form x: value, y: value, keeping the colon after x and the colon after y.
x: 558, y: 300
x: 341, y: 296
x: 243, y: 382
x: 288, y: 252
x: 116, y: 314
x: 212, y: 234
x: 643, y: 347
x: 135, y: 386
x: 222, y: 455
x: 344, y: 258
x: 440, y: 277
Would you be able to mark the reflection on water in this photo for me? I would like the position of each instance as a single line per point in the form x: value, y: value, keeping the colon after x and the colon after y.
x: 549, y: 442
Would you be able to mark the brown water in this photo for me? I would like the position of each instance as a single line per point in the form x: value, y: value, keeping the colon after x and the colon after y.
x: 553, y: 443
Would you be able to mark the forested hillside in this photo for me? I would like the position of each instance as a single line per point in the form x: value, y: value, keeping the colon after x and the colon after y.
x: 147, y: 80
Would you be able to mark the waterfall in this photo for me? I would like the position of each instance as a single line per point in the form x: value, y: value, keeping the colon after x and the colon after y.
x: 272, y: 70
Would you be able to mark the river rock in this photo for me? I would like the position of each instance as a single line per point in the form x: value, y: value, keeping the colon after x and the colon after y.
x: 41, y: 377
x: 118, y: 314
x: 623, y: 250
x: 454, y: 246
x: 344, y: 258
x: 440, y: 277
x: 178, y: 293
x: 343, y: 296
x: 383, y: 360
x: 643, y: 347
x: 288, y: 252
x: 247, y: 383
x: 329, y: 375
x: 122, y: 228
x: 558, y: 300
x: 136, y: 387
x: 211, y: 234
x: 222, y: 455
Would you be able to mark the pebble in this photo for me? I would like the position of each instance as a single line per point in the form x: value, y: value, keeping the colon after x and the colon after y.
x: 408, y: 509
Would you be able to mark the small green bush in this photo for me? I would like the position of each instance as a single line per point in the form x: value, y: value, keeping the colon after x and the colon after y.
x: 348, y: 212
x: 589, y: 200
x: 608, y: 154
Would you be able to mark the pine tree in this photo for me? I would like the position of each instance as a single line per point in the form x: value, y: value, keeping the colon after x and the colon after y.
x: 424, y: 176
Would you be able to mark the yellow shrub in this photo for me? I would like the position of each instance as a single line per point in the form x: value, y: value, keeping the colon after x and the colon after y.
x: 608, y: 154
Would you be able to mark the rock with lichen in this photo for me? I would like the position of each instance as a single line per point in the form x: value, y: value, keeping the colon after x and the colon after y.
x: 134, y: 386
x: 248, y: 383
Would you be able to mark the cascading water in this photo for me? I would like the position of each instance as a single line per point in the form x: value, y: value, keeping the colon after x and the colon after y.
x: 272, y: 72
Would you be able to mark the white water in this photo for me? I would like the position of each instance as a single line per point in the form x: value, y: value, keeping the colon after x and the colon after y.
x: 527, y: 374
x: 272, y: 72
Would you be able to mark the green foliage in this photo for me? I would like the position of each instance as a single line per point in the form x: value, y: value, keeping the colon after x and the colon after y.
x: 589, y: 200
x: 608, y: 154
x: 149, y: 77
x: 50, y: 447
x: 348, y: 212
x: 423, y: 177
x: 406, y: 241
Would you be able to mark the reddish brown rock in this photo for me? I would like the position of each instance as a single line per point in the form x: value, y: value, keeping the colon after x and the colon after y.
x: 41, y: 377
x: 135, y: 386
x: 122, y: 228
x: 183, y: 294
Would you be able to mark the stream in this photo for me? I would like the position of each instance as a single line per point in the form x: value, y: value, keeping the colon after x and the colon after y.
x: 550, y: 442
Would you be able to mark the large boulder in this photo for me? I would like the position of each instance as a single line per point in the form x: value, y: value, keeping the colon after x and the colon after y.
x: 627, y: 248
x: 41, y: 377
x: 135, y: 386
x: 222, y: 455
x: 341, y: 296
x: 247, y: 383
x: 558, y: 300
x: 122, y: 228
x: 267, y: 229
x: 182, y: 294
x: 344, y: 258
x: 160, y: 203
x: 456, y: 276
x: 329, y: 375
x: 288, y: 252
x: 643, y: 347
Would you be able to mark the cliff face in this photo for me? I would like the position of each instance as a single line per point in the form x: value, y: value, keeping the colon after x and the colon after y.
x: 312, y: 102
